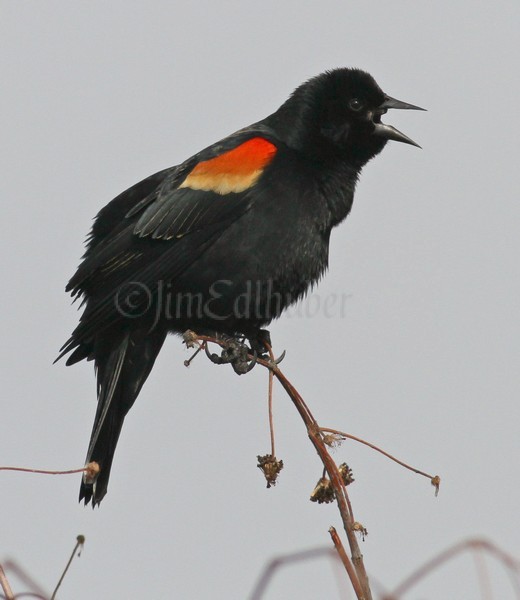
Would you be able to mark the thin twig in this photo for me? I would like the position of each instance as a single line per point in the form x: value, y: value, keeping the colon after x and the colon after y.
x: 43, y: 471
x: 512, y: 564
x: 482, y: 571
x: 270, y: 401
x: 14, y: 568
x: 275, y: 563
x: 5, y: 585
x: 80, y: 540
x: 32, y: 595
x: 346, y: 561
x: 187, y: 362
x: 271, y: 421
x: 435, y: 479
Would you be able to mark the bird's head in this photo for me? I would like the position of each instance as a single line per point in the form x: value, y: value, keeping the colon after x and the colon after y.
x: 340, y: 112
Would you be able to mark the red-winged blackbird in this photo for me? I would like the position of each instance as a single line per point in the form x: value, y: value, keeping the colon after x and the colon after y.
x: 223, y: 242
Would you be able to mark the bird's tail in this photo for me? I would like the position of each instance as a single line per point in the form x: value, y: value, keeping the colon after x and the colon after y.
x: 123, y: 363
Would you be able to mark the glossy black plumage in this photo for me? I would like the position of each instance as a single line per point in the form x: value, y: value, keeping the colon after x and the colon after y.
x: 221, y: 243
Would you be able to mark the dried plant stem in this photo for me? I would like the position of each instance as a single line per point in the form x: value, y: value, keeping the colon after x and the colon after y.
x: 435, y: 479
x: 357, y: 574
x: 270, y: 403
x: 275, y: 563
x: 345, y: 560
x: 483, y: 575
x: 271, y: 421
x: 26, y: 579
x: 80, y: 540
x: 360, y: 580
x: 43, y: 471
x: 508, y: 561
x: 5, y: 585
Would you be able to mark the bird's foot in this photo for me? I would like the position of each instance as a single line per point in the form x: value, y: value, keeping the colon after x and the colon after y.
x: 241, y: 357
x: 234, y: 352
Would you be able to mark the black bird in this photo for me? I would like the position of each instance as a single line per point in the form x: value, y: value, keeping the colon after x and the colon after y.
x: 222, y: 243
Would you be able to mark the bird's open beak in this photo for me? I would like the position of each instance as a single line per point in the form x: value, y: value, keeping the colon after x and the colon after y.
x: 387, y: 131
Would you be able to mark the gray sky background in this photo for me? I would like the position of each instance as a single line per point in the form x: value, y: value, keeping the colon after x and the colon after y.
x: 423, y: 359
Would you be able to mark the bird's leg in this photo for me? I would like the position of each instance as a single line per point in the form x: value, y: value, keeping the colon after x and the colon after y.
x: 260, y: 342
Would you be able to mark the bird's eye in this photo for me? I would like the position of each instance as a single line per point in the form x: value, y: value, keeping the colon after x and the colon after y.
x: 356, y: 104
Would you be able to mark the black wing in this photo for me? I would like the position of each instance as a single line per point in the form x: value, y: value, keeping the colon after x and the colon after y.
x: 151, y: 232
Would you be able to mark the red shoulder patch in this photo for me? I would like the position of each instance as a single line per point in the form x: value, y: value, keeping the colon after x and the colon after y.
x: 233, y: 171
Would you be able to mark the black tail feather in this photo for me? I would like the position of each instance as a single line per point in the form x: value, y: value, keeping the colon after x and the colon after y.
x: 123, y: 363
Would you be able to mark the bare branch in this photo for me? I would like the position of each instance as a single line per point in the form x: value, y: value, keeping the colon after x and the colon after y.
x: 90, y: 471
x: 5, y: 585
x: 80, y: 540
x: 26, y: 579
x: 346, y: 562
x: 270, y: 402
x: 473, y: 545
x: 280, y: 561
x: 434, y: 479
x: 360, y: 584
x: 44, y: 471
